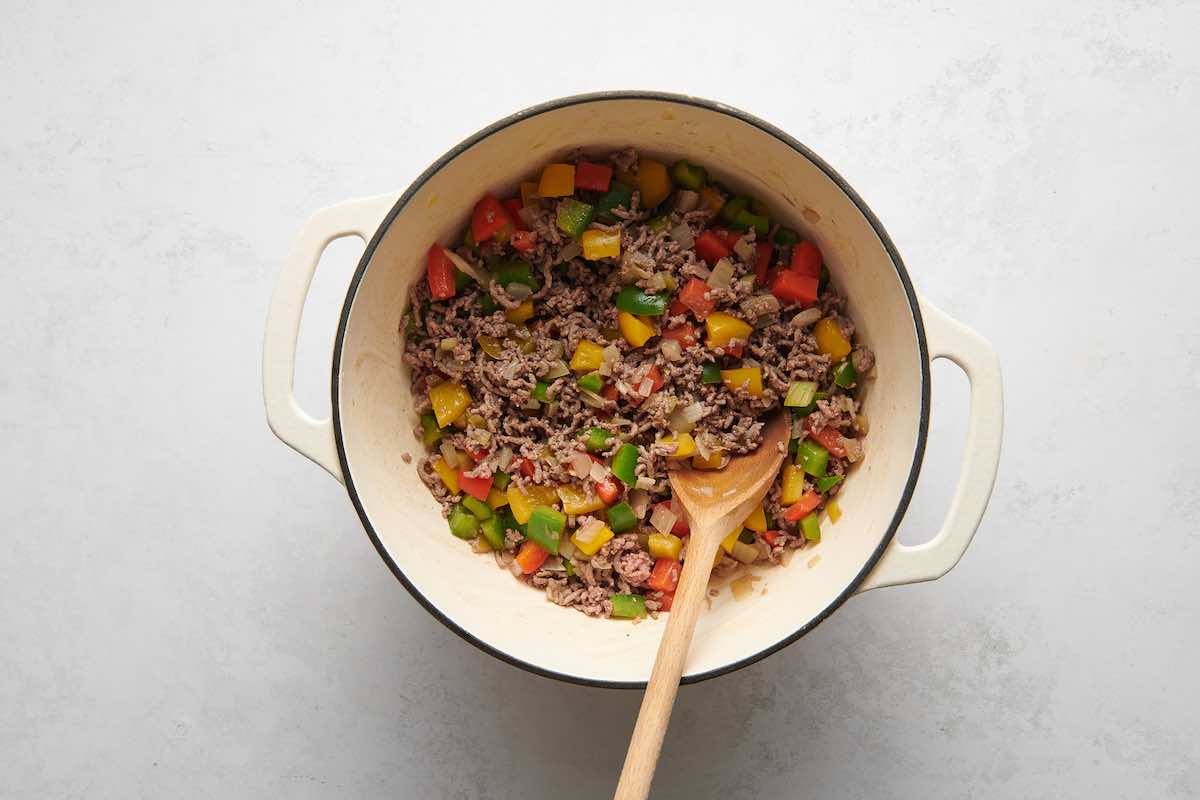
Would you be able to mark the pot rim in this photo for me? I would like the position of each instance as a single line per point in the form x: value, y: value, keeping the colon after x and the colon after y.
x: 720, y: 108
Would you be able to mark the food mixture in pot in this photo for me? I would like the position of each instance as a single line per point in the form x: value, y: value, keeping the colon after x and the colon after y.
x: 623, y: 315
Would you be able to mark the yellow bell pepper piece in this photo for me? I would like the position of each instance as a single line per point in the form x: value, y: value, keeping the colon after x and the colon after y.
x: 529, y: 192
x: 653, y: 181
x: 590, y: 545
x: 748, y: 378
x: 542, y: 495
x: 830, y: 340
x: 496, y: 498
x: 600, y: 244
x: 664, y: 545
x: 684, y: 444
x: 723, y: 328
x: 711, y: 198
x: 449, y: 401
x: 558, y: 180
x: 635, y: 329
x: 447, y: 473
x: 714, y: 461
x: 793, y: 484
x: 518, y: 315
x: 757, y: 521
x: 523, y: 501
x: 835, y: 511
x: 588, y: 357
x: 728, y: 542
x: 577, y: 500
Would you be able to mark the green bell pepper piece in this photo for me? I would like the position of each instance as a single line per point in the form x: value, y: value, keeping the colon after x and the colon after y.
x: 792, y: 443
x: 487, y: 304
x: 638, y: 301
x: 734, y: 206
x: 785, y: 237
x: 746, y: 536
x: 541, y: 391
x: 478, y: 508
x: 569, y: 567
x: 800, y: 394
x: 745, y: 220
x: 710, y: 372
x: 597, y: 439
x: 823, y: 282
x: 469, y: 238
x: 573, y: 217
x: 844, y: 374
x: 828, y: 482
x: 804, y: 411
x: 621, y: 517
x: 624, y: 464
x: 546, y: 526
x: 811, y: 527
x: 592, y: 382
x: 628, y: 606
x: 659, y: 224
x: 812, y: 458
x: 493, y: 530
x: 500, y: 480
x: 461, y: 280
x: 618, y: 196
x: 462, y: 522
x: 510, y: 522
x: 431, y: 434
x: 516, y: 271
x: 689, y: 176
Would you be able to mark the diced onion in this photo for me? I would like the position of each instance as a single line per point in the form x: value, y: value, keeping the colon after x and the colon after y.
x: 592, y: 399
x: 566, y: 548
x: 597, y: 472
x: 639, y: 501
x: 511, y: 369
x: 529, y: 216
x: 570, y: 250
x: 515, y: 568
x: 743, y: 587
x: 645, y: 387
x: 554, y: 564
x: 589, y: 530
x: 686, y: 200
x: 671, y: 349
x: 610, y: 354
x: 447, y: 344
x: 476, y: 273
x: 806, y: 317
x: 745, y: 553
x: 504, y: 457
x: 744, y: 250
x: 721, y: 275
x: 663, y: 519
x: 702, y: 448
x: 580, y: 465
x: 518, y: 291
x: 557, y: 370
x: 644, y: 482
x: 532, y: 405
x: 683, y: 234
x: 450, y: 455
x: 684, y: 418
x: 480, y: 544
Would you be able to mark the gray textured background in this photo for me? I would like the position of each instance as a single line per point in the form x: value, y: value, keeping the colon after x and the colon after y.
x: 188, y: 609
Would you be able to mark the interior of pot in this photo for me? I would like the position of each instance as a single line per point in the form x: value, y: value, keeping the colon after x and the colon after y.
x: 376, y: 419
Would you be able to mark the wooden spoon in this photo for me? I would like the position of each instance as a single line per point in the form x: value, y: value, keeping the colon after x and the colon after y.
x: 715, y: 501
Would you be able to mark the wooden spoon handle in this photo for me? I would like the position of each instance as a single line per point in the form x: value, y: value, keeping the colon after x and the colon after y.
x: 647, y: 739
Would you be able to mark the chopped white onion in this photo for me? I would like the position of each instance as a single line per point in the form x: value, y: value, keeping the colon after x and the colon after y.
x: 671, y: 349
x: 476, y: 273
x: 657, y: 282
x: 557, y: 370
x: 511, y: 369
x: 566, y: 548
x: 592, y: 399
x: 806, y: 317
x: 597, y: 472
x: 644, y: 483
x: 570, y: 250
x: 447, y: 344
x: 532, y: 405
x: 589, y: 530
x: 580, y: 465
x: 684, y: 418
x: 686, y: 200
x: 610, y: 354
x: 744, y: 250
x: 518, y: 291
x: 528, y: 215
x: 504, y: 457
x: 554, y: 564
x: 645, y: 387
x: 702, y: 448
x: 683, y: 234
x: 450, y: 455
x: 746, y: 283
x: 663, y: 519
x: 721, y: 275
x: 639, y: 501
x: 515, y: 568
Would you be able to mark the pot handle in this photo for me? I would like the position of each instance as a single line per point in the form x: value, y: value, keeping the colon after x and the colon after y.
x: 950, y: 339
x: 308, y: 436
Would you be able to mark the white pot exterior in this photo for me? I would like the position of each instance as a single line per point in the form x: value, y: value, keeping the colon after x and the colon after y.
x: 373, y: 417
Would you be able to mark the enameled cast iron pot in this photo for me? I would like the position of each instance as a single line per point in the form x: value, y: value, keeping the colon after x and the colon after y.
x: 372, y: 422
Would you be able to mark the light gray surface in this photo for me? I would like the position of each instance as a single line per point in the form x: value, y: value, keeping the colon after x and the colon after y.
x: 191, y: 610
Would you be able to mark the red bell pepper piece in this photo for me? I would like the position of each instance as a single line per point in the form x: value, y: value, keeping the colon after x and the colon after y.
x: 710, y: 247
x: 609, y: 489
x: 656, y: 383
x: 665, y: 575
x: 609, y: 392
x: 524, y: 466
x: 829, y: 438
x: 477, y: 454
x: 802, y: 507
x: 594, y: 177
x: 681, y: 527
x: 694, y: 295
x: 792, y: 287
x: 666, y: 601
x: 806, y: 259
x: 523, y: 240
x: 734, y: 350
x: 531, y: 556
x: 771, y: 537
x: 685, y: 334
x: 488, y: 219
x: 440, y: 273
x: 476, y: 487
x: 676, y: 308
x: 730, y: 238
x: 513, y: 205
x: 762, y: 261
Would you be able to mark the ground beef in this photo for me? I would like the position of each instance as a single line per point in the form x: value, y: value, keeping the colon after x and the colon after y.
x: 503, y: 364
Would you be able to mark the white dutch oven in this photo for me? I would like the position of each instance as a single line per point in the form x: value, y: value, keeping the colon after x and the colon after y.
x: 363, y: 443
